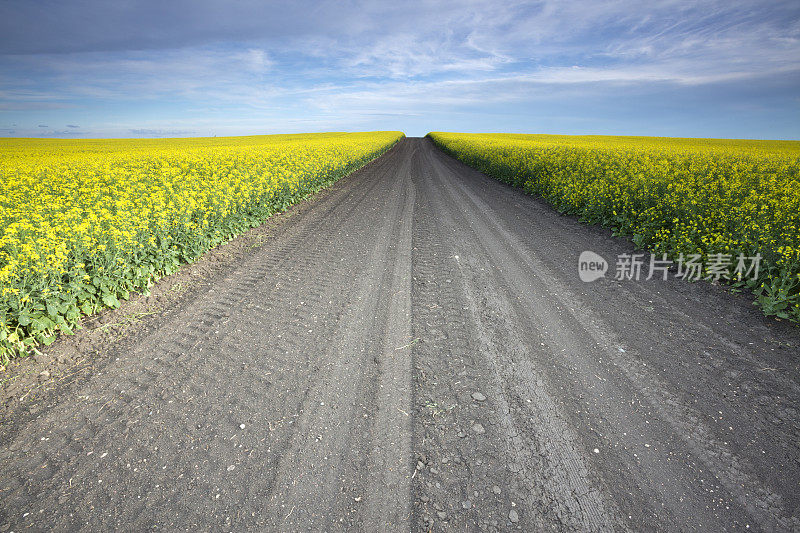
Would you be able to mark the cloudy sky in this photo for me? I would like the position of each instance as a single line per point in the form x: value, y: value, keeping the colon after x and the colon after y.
x: 125, y: 68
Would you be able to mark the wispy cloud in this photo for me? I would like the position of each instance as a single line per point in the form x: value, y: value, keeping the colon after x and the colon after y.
x: 59, y: 133
x: 144, y: 132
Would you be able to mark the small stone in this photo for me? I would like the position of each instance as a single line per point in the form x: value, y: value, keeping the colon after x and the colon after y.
x: 466, y: 504
x: 461, y: 434
x: 44, y: 374
x: 513, y: 516
x: 230, y: 468
x: 242, y: 426
x: 496, y: 489
x: 441, y: 514
x: 434, y: 471
x: 477, y: 428
x: 478, y: 397
x: 42, y: 358
x: 420, y: 465
x: 425, y: 499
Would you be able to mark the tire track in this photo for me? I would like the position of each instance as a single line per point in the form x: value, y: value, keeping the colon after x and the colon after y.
x: 191, y: 363
x: 563, y: 324
x: 306, y: 503
x: 388, y: 488
x: 546, y: 458
x: 464, y: 479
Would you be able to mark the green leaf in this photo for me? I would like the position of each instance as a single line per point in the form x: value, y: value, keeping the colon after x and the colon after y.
x: 24, y: 319
x: 41, y: 324
x: 52, y: 308
x: 111, y: 301
x: 86, y: 308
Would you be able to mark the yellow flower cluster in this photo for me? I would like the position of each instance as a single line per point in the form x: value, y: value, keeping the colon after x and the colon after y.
x: 691, y: 196
x: 84, y: 222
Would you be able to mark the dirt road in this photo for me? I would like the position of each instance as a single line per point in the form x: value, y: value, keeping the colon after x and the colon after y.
x: 417, y: 351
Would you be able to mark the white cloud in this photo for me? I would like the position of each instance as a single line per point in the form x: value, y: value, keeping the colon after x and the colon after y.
x: 361, y: 58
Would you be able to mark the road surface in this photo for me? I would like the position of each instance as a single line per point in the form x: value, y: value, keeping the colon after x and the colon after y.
x: 416, y: 351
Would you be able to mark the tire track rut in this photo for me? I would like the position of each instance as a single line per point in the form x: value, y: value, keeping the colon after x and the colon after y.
x: 164, y: 419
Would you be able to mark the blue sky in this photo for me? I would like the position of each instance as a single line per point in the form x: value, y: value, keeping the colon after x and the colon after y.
x: 99, y: 68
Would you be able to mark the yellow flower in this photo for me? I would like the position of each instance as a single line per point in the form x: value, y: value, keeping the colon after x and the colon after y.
x: 101, y: 206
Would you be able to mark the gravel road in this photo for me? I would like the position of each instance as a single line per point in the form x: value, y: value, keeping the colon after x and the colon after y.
x: 416, y: 351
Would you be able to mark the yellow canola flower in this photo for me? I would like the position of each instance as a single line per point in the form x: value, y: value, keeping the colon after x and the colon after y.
x: 112, y: 213
x: 673, y: 195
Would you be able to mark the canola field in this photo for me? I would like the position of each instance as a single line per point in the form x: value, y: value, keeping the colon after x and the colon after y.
x: 83, y: 223
x: 708, y: 198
